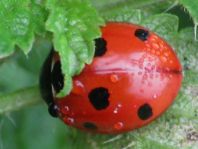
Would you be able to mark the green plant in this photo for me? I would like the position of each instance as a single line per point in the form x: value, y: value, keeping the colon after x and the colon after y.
x: 28, y: 28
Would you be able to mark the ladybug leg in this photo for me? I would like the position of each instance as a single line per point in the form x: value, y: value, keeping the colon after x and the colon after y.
x: 53, y: 110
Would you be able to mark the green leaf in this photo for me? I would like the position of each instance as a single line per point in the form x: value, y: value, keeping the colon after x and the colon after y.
x: 74, y: 25
x: 166, y: 27
x: 187, y: 52
x: 19, y: 21
x: 124, y: 14
x: 192, y: 8
x: 149, y: 6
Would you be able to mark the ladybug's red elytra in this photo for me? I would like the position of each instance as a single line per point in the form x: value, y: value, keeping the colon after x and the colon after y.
x: 134, y: 77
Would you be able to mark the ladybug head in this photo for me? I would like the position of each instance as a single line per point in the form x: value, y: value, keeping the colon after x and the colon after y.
x: 51, y: 81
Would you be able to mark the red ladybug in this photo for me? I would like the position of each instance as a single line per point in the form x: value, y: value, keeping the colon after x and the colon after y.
x: 134, y: 77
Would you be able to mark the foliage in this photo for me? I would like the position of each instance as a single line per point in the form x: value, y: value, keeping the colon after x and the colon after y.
x: 29, y: 29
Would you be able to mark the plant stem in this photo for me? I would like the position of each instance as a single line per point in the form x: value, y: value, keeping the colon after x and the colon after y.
x: 19, y: 99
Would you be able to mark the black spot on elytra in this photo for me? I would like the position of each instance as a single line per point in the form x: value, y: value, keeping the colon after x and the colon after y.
x: 99, y: 98
x: 145, y: 112
x: 100, y: 47
x: 90, y: 126
x: 53, y: 110
x: 57, y: 77
x: 142, y: 34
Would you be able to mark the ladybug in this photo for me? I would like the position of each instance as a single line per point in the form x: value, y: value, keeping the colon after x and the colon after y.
x: 134, y: 77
